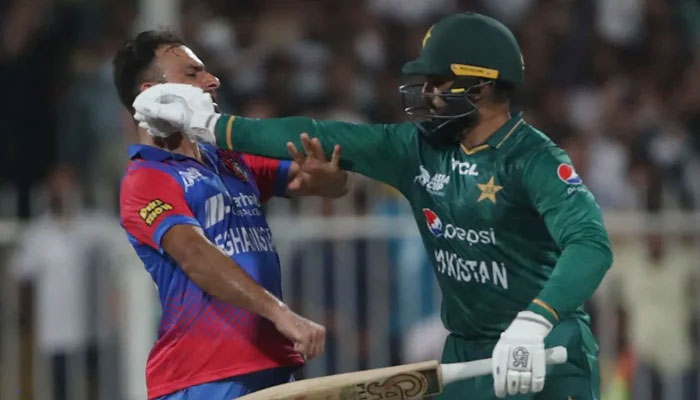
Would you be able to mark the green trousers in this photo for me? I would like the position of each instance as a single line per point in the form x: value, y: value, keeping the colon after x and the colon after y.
x: 577, y: 379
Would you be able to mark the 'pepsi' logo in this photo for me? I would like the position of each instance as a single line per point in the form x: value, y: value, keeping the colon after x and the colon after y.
x: 567, y: 174
x: 433, y: 221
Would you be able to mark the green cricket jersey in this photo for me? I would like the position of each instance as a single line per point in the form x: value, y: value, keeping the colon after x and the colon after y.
x: 505, y: 223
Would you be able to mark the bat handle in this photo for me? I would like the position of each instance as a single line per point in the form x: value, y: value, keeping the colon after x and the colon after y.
x: 459, y: 371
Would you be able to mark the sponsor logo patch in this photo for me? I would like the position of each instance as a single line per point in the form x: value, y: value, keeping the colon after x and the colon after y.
x: 464, y: 167
x: 433, y: 221
x: 567, y: 174
x: 190, y: 176
x: 450, y: 231
x: 153, y: 210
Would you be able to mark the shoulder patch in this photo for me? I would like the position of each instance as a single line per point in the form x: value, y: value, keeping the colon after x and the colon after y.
x: 567, y: 174
x: 153, y: 210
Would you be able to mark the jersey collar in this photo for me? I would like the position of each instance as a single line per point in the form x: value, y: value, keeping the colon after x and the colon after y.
x: 505, y: 131
x: 152, y: 153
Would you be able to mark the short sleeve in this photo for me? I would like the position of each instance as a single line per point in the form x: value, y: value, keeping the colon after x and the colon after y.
x: 558, y: 194
x: 151, y: 202
x: 271, y: 175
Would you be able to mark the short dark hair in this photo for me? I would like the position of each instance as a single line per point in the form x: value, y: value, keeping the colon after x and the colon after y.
x: 133, y: 59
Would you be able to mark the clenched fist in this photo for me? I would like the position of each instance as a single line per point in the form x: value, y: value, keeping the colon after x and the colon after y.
x: 309, y: 338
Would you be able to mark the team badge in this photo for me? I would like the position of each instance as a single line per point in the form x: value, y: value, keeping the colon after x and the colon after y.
x: 567, y: 174
x: 233, y: 163
x: 488, y: 191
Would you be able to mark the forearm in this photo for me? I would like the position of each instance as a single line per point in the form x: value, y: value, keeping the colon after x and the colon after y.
x: 578, y: 273
x: 266, y: 137
x: 373, y: 150
x: 215, y: 273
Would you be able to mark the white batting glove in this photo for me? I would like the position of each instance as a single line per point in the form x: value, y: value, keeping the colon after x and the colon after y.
x: 155, y: 127
x: 175, y: 107
x: 519, y: 357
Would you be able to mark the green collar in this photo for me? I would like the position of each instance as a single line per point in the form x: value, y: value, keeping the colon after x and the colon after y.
x: 505, y: 131
x: 500, y: 136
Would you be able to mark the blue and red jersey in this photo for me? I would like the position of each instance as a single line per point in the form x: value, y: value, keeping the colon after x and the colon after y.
x: 200, y: 338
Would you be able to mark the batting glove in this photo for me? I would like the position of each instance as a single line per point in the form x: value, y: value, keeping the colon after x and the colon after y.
x: 519, y: 357
x: 175, y: 107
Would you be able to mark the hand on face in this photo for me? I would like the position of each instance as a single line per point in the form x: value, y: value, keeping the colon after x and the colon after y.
x: 180, y: 108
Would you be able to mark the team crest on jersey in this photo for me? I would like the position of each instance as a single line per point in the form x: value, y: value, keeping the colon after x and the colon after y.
x: 567, y: 174
x: 488, y: 190
x: 233, y: 164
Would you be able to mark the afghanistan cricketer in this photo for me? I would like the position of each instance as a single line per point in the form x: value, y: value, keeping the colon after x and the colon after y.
x: 516, y: 240
x: 193, y: 214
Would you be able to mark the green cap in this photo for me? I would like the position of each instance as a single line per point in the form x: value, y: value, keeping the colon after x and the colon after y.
x: 469, y: 44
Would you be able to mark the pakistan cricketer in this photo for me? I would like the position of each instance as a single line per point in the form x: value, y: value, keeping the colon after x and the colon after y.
x: 516, y: 240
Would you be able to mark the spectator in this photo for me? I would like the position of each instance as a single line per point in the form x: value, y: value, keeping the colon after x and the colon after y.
x: 656, y: 278
x: 55, y: 259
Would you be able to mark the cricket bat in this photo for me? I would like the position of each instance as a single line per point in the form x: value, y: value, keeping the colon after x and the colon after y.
x: 402, y: 382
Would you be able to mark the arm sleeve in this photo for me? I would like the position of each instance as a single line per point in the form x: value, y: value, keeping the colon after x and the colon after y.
x: 271, y: 175
x: 574, y: 221
x: 152, y: 202
x: 379, y: 151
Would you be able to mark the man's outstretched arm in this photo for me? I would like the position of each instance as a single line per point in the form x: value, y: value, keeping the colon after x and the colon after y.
x: 380, y: 151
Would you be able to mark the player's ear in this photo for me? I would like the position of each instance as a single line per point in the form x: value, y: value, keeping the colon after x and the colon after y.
x: 486, y: 91
x: 145, y: 85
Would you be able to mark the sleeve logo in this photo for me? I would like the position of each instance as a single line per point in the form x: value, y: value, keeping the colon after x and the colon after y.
x: 567, y: 174
x: 153, y: 210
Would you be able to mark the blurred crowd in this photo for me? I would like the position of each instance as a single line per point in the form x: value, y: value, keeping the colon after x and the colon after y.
x: 614, y: 82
